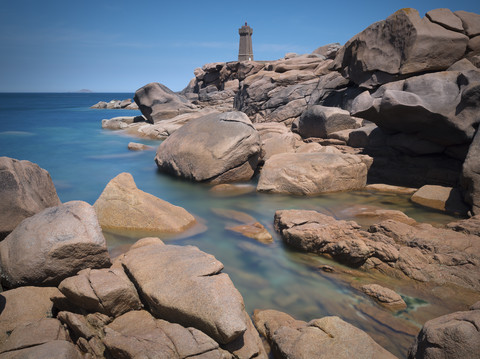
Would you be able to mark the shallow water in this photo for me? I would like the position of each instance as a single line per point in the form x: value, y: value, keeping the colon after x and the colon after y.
x: 62, y: 134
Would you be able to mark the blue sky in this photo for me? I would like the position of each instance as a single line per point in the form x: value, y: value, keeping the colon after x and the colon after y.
x: 119, y: 46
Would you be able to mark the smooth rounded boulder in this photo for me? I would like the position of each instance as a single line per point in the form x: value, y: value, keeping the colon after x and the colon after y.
x: 122, y: 206
x: 53, y: 245
x: 25, y: 189
x: 312, y: 173
x: 215, y: 148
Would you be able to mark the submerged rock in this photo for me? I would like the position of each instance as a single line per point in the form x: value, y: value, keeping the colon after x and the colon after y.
x: 384, y: 296
x: 228, y: 154
x: 133, y: 146
x: 312, y: 173
x: 253, y: 230
x: 123, y: 206
x: 25, y: 189
x: 53, y: 245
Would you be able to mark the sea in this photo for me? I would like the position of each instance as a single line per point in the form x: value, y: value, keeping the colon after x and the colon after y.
x: 62, y: 134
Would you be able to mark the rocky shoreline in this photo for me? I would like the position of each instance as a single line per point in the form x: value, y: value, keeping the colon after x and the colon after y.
x: 397, y: 105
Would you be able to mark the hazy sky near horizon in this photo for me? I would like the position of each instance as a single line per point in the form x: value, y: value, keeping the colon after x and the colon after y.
x: 119, y: 46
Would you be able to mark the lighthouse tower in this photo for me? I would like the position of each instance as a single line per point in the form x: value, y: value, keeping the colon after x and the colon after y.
x: 245, y: 52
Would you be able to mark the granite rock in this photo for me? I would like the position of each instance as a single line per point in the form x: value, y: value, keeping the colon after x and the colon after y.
x: 53, y: 245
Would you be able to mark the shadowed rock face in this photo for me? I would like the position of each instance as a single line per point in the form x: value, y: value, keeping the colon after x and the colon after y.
x: 53, y: 245
x: 25, y: 189
x: 24, y: 305
x: 215, y: 148
x: 470, y: 178
x: 328, y: 337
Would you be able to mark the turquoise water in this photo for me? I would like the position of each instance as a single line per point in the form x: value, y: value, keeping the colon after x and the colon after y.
x: 62, y: 134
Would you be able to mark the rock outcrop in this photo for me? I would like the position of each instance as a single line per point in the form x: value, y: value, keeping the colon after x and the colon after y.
x: 25, y: 189
x: 228, y: 154
x: 52, y: 245
x: 106, y: 291
x: 401, y: 45
x: 137, y: 334
x: 328, y: 337
x: 312, y: 173
x: 454, y: 335
x: 122, y: 206
x: 418, y: 251
x: 157, y: 102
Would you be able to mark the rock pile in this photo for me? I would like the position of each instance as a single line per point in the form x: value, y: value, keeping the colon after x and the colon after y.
x: 116, y: 105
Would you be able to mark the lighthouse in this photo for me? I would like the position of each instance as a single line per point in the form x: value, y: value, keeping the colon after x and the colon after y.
x: 245, y: 52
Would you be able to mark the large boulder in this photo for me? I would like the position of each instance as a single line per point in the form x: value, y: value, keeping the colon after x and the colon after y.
x: 185, y: 285
x: 24, y: 305
x: 452, y: 336
x: 312, y: 173
x: 470, y: 22
x: 52, y: 245
x: 321, y: 121
x: 25, y: 189
x: 107, y: 291
x: 157, y: 102
x: 403, y: 44
x: 122, y: 206
x: 229, y: 153
x: 328, y: 337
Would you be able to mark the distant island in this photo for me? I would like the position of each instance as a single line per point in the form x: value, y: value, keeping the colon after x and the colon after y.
x: 84, y: 91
